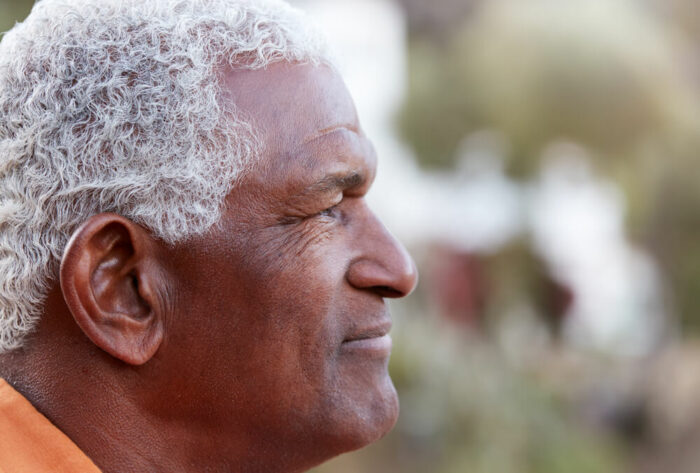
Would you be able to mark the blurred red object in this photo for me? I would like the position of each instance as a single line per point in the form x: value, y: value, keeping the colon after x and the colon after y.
x: 457, y: 285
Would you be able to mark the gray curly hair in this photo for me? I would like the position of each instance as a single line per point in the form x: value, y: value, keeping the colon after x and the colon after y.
x: 114, y: 106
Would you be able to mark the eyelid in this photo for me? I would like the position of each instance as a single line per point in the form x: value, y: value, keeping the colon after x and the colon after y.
x: 338, y: 199
x: 331, y: 206
x: 328, y: 211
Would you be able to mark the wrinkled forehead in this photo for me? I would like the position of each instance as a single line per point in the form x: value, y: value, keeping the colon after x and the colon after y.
x: 290, y: 105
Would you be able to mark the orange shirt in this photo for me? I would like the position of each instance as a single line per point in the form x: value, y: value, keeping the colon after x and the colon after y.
x: 30, y: 443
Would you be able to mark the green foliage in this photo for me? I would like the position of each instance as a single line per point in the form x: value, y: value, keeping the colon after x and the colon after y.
x: 601, y: 76
x: 674, y: 234
x: 439, y: 110
x: 12, y: 11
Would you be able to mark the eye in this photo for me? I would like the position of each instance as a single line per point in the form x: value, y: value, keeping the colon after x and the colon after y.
x: 330, y: 212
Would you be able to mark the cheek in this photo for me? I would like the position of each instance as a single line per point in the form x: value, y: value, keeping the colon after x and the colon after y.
x: 299, y: 267
x: 303, y: 300
x: 305, y: 314
x: 294, y: 281
x: 295, y: 247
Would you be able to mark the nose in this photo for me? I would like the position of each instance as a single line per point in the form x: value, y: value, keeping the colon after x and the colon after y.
x: 384, y: 265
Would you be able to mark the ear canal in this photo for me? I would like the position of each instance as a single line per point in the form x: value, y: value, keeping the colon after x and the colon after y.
x: 115, y: 276
x: 108, y: 278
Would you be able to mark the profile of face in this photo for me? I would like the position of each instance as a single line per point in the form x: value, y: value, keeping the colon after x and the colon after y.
x: 279, y: 324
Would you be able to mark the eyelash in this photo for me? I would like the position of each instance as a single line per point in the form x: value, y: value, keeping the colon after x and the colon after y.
x: 330, y: 212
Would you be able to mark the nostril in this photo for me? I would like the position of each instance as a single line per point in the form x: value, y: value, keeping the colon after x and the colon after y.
x: 386, y: 291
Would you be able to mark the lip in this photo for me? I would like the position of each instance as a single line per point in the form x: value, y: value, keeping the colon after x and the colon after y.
x: 374, y: 342
x: 374, y: 347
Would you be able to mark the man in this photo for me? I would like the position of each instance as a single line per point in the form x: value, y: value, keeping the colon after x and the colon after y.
x: 190, y: 278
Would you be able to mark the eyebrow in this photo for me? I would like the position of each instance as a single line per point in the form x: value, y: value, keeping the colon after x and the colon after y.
x: 334, y: 182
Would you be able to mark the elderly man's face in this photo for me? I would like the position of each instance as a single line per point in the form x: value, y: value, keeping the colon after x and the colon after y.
x: 281, y: 324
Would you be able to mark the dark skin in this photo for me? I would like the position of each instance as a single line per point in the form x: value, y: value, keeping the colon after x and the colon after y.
x: 260, y: 346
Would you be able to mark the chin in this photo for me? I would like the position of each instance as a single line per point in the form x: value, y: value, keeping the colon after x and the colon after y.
x: 369, y: 418
x: 352, y: 417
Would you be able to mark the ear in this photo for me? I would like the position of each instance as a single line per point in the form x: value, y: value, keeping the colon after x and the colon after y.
x: 110, y: 274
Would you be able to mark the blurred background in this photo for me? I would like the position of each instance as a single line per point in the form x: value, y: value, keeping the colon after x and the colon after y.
x: 540, y: 160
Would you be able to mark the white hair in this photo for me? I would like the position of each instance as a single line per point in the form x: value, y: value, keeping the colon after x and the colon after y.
x: 114, y: 106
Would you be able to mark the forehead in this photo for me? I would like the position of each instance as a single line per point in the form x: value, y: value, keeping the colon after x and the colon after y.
x: 304, y: 117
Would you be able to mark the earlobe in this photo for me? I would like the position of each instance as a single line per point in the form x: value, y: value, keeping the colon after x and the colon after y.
x: 109, y: 276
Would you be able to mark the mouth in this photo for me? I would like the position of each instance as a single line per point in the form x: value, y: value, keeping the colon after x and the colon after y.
x: 373, y: 342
